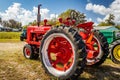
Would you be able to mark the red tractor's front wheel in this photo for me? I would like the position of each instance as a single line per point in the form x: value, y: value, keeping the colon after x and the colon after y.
x: 28, y: 52
x: 61, y: 53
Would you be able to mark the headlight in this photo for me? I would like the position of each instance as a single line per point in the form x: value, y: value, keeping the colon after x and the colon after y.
x: 117, y: 34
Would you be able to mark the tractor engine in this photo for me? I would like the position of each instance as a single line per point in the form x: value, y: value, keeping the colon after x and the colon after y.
x: 35, y: 34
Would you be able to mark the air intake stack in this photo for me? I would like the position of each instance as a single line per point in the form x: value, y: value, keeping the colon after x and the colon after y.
x: 39, y: 15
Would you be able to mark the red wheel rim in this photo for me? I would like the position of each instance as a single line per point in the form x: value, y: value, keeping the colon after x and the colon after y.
x: 27, y: 52
x: 60, y: 53
x: 93, y: 49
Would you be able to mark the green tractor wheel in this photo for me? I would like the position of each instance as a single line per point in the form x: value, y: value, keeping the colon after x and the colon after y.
x: 115, y: 51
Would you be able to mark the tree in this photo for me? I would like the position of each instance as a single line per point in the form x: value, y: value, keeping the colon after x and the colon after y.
x: 11, y: 23
x: 118, y: 26
x: 108, y: 21
x: 77, y: 16
x: 74, y: 15
x: 25, y: 26
x: 65, y: 14
x: 14, y: 24
x: 5, y: 23
x: 103, y: 24
x: 33, y: 23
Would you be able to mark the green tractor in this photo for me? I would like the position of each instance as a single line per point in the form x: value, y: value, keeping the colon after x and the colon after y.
x: 115, y: 48
x: 113, y: 37
x: 23, y: 35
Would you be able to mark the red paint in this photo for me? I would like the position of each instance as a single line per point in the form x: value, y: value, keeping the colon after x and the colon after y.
x: 27, y: 51
x: 35, y: 34
x: 60, y: 54
x: 89, y: 39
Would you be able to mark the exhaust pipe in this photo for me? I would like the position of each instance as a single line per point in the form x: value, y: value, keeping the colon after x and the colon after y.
x: 38, y: 16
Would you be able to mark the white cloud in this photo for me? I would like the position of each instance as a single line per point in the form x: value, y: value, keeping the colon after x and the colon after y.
x: 53, y: 16
x: 114, y: 8
x: 95, y: 24
x: 98, y: 9
x: 89, y: 19
x: 23, y: 15
x: 106, y: 17
x: 99, y: 19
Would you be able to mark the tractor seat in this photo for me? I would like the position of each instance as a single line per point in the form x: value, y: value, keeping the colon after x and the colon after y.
x: 87, y: 24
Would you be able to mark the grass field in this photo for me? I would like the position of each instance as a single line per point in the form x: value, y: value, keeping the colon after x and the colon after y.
x: 9, y: 40
x: 13, y: 66
x: 10, y: 35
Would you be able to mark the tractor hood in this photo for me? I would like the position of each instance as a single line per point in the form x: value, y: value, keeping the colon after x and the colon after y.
x: 36, y: 29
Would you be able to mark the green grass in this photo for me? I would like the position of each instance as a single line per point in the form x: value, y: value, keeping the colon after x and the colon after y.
x: 9, y: 40
x: 10, y: 35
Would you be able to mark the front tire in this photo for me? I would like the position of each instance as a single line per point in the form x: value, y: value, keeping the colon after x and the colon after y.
x: 63, y: 53
x: 21, y: 39
x: 28, y: 52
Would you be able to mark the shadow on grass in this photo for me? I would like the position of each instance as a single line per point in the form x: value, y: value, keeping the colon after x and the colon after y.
x: 101, y: 73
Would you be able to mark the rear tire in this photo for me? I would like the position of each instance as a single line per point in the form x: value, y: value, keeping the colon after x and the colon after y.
x: 78, y: 51
x: 103, y: 49
x: 104, y: 46
x: 115, y: 51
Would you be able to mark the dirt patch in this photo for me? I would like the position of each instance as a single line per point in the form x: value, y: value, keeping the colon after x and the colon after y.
x: 14, y: 66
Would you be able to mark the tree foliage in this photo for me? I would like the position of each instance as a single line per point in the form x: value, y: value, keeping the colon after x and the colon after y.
x: 33, y: 23
x: 10, y: 23
x: 108, y: 21
x: 118, y: 26
x: 74, y: 15
x: 25, y: 26
x: 65, y: 14
x: 14, y: 24
x: 77, y: 16
x: 104, y: 24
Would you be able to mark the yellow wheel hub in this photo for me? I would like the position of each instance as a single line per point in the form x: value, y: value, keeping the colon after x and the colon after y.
x: 116, y: 52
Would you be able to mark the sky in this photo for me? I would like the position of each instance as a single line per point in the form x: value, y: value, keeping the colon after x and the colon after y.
x: 25, y: 11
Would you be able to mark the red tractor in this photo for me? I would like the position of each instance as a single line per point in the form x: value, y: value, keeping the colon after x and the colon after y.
x: 65, y: 50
